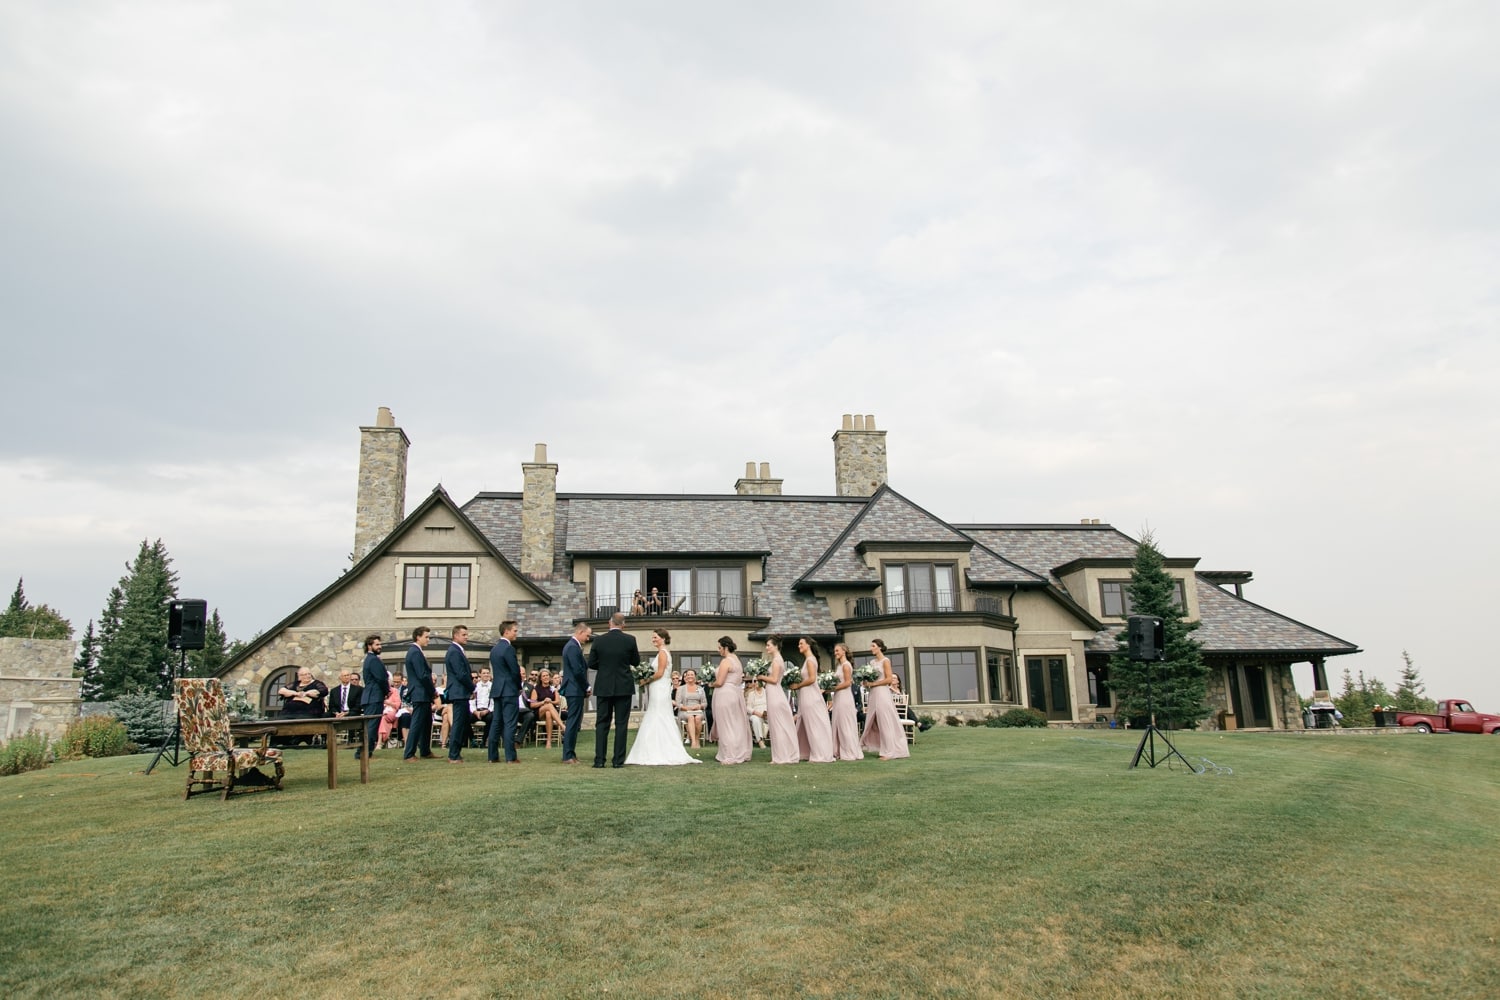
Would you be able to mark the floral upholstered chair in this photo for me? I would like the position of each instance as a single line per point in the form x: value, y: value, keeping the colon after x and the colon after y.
x: 214, y: 762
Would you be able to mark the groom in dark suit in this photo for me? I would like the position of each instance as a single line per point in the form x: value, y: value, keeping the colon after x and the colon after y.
x: 611, y: 658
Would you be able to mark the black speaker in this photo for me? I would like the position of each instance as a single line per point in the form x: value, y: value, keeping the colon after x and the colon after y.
x: 1146, y: 638
x: 187, y: 624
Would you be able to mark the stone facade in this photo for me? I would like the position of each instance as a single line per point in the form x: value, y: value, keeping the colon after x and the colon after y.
x: 37, y: 687
x: 859, y: 457
x: 761, y: 485
x: 1286, y: 705
x: 381, y: 503
x: 538, y: 515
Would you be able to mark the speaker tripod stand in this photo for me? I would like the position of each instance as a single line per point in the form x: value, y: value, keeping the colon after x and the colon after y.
x: 1147, y: 644
x: 172, y: 744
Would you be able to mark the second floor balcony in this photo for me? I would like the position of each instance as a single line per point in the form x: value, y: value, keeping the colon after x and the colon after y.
x: 924, y: 602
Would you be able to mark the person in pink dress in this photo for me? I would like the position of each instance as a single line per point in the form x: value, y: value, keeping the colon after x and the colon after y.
x: 390, y: 713
x: 730, y: 723
x: 779, y: 721
x: 814, y: 731
x: 845, y: 718
x: 883, y: 732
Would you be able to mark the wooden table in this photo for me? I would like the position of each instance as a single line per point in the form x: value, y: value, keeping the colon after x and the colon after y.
x: 325, y: 727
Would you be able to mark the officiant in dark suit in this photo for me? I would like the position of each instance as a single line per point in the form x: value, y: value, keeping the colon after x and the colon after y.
x: 612, y: 656
x: 506, y: 694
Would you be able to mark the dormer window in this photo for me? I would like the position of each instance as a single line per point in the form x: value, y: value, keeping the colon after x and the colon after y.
x: 918, y: 587
x: 435, y: 586
x: 1114, y: 598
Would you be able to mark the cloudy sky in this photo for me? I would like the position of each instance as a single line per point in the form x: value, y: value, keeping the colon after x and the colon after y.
x: 1228, y: 271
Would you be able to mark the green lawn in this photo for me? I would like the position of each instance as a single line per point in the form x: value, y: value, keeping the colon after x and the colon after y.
x: 994, y: 862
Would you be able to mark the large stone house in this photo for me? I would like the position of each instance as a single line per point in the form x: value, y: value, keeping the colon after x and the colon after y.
x: 977, y: 618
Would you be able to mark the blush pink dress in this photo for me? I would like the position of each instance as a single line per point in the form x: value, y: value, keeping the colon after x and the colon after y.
x: 883, y: 732
x: 779, y: 721
x: 732, y: 725
x: 845, y: 721
x: 814, y: 731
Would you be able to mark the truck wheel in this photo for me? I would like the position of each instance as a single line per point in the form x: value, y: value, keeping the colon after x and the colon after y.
x: 1423, y: 727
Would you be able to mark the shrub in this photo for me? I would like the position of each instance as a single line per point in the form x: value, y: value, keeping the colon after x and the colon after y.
x: 148, y: 720
x: 25, y: 753
x: 95, y: 736
x: 974, y: 721
x: 240, y: 709
x: 1017, y: 718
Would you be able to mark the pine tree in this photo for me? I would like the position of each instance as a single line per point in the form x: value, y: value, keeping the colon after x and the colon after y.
x: 206, y: 662
x: 87, y: 664
x: 1358, y: 699
x: 133, y: 653
x: 22, y: 620
x: 1178, y: 684
x: 1411, y: 693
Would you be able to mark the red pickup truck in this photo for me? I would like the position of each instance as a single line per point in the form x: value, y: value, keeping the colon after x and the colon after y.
x: 1453, y: 716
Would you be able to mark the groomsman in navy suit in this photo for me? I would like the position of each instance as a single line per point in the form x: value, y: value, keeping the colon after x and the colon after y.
x: 376, y: 685
x: 423, y: 694
x: 506, y: 693
x: 458, y: 692
x: 575, y: 688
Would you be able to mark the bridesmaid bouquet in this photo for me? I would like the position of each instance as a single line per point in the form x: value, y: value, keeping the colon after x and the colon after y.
x: 827, y: 680
x: 791, y: 675
x: 642, y: 672
x: 756, y: 669
x: 867, y: 673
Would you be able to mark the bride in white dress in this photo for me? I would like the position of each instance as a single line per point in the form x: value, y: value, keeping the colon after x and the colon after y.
x: 658, y: 740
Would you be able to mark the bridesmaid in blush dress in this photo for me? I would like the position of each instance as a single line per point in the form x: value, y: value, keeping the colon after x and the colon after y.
x: 779, y: 721
x: 883, y: 732
x: 814, y: 732
x: 730, y: 721
x: 845, y: 717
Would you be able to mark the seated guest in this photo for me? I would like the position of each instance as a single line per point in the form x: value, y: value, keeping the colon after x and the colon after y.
x: 390, y: 714
x: 691, y: 700
x: 346, y: 698
x: 543, y: 701
x: 482, y: 705
x: 755, y: 707
x: 305, y: 699
x: 525, y: 714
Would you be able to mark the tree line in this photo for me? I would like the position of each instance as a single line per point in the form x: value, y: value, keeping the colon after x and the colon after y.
x: 126, y: 651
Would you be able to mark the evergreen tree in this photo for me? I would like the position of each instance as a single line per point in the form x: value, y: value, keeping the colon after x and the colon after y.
x: 133, y: 653
x: 1411, y: 693
x: 1178, y: 684
x: 87, y: 664
x: 22, y: 620
x: 1358, y: 699
x: 206, y: 662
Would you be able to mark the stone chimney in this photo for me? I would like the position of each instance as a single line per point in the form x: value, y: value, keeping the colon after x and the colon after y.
x: 859, y: 456
x: 762, y: 485
x: 538, y: 514
x: 381, y: 503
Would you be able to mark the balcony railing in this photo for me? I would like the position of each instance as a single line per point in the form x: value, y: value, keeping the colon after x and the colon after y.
x: 669, y: 605
x: 934, y: 602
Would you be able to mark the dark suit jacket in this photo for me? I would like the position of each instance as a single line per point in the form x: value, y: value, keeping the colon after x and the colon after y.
x: 460, y: 677
x: 419, y: 677
x: 507, y: 671
x: 356, y: 694
x: 611, y: 657
x: 575, y: 682
x: 377, y: 687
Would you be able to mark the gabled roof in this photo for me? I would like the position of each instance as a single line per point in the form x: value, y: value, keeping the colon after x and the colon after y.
x: 1232, y: 623
x: 437, y: 498
x: 888, y: 518
x: 1042, y: 548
